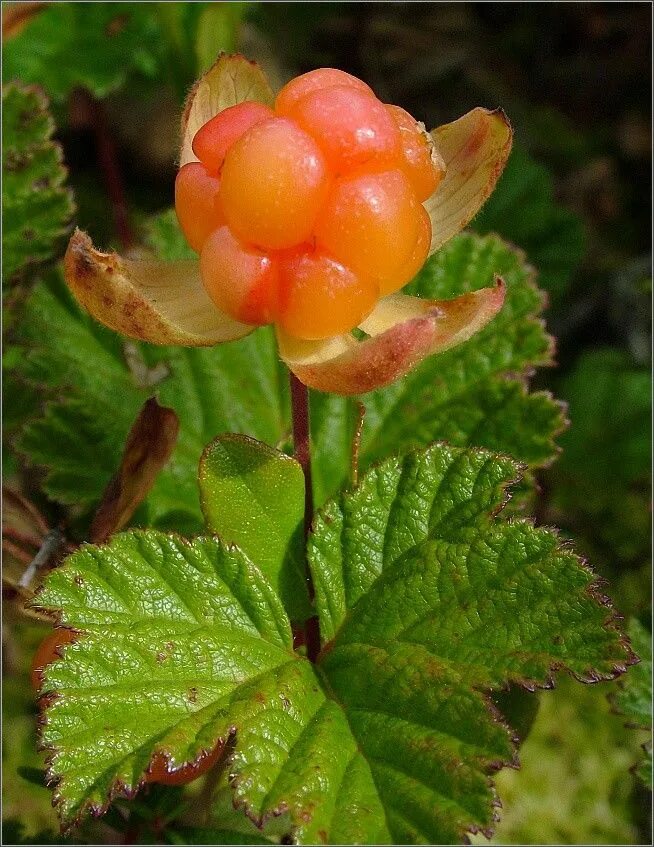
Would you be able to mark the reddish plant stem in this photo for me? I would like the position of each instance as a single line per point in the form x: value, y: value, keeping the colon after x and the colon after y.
x: 356, y: 444
x: 302, y: 450
x: 108, y: 160
x: 302, y: 442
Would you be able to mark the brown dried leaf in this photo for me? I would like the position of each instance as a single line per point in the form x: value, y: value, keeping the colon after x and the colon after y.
x: 148, y: 447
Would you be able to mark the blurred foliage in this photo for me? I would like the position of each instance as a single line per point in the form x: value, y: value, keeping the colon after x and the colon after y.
x: 574, y: 79
x: 107, y: 43
x: 574, y: 784
x: 634, y: 698
x: 600, y: 485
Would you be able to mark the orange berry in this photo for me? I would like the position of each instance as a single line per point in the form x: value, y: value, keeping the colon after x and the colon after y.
x: 274, y: 181
x: 197, y: 203
x: 213, y: 140
x: 351, y: 128
x: 316, y: 80
x: 48, y: 651
x: 159, y: 772
x: 320, y: 297
x: 416, y: 260
x: 241, y: 280
x: 416, y: 159
x: 370, y: 223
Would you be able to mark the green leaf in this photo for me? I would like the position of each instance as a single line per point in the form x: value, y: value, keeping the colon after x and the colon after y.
x: 426, y: 598
x: 522, y: 209
x: 36, y: 205
x: 109, y: 41
x: 174, y: 631
x: 472, y: 395
x: 253, y: 495
x: 635, y: 697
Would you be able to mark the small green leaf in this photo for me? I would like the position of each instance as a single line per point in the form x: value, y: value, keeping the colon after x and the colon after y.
x: 253, y: 495
x: 36, y: 205
x: 426, y: 597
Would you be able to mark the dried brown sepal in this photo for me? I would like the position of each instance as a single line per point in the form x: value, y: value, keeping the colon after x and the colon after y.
x: 404, y: 331
x: 149, y: 445
x: 159, y: 302
x: 475, y: 149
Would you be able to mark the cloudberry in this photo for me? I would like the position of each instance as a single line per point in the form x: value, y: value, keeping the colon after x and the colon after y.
x: 197, y: 203
x: 416, y: 160
x: 213, y: 140
x: 320, y: 297
x: 306, y: 214
x: 274, y: 181
x: 415, y: 261
x: 351, y: 127
x: 371, y: 222
x: 239, y: 278
x: 316, y: 80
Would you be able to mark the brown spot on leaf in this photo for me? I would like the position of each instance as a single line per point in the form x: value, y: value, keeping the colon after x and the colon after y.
x: 116, y: 25
x: 192, y: 695
x: 162, y: 771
